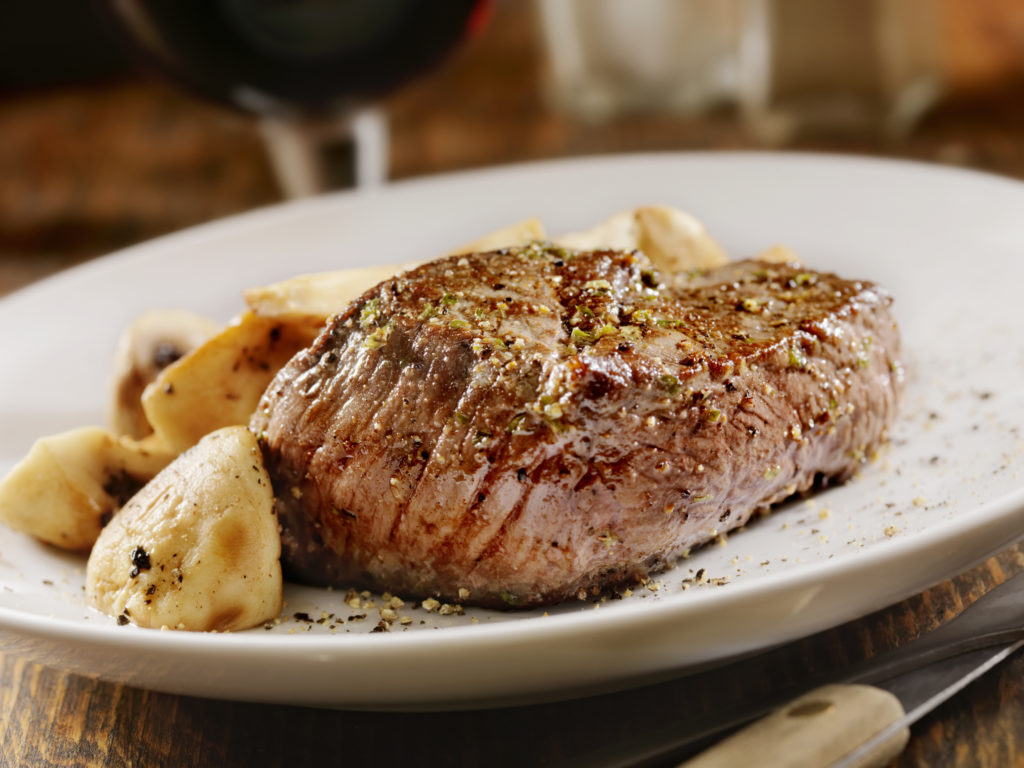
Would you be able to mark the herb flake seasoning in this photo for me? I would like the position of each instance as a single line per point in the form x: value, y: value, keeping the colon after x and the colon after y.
x: 579, y: 336
x: 670, y: 384
x: 369, y: 314
x: 516, y: 423
x: 377, y: 339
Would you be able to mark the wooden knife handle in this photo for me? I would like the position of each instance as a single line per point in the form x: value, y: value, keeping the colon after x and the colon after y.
x: 815, y: 731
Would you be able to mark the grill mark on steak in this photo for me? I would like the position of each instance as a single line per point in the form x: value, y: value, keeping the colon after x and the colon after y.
x: 625, y: 420
x: 493, y: 543
x: 499, y: 509
x: 502, y: 482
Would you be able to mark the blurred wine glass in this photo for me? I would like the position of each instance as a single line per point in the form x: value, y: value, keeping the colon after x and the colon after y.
x: 310, y: 69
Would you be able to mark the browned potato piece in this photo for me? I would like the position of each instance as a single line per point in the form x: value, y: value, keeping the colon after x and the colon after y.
x: 198, y: 548
x: 70, y: 484
x: 220, y: 383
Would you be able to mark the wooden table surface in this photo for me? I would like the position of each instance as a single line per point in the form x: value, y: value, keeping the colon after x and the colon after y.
x: 85, y: 169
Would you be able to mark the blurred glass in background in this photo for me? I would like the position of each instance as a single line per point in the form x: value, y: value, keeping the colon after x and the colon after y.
x: 792, y: 66
x: 609, y: 57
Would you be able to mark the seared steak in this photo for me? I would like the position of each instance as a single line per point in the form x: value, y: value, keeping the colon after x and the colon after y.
x: 513, y: 428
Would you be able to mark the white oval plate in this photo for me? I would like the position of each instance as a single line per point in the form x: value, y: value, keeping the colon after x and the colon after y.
x: 947, y: 492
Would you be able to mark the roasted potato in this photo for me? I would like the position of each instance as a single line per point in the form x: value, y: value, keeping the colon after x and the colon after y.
x: 70, y: 484
x: 198, y: 547
x: 220, y: 383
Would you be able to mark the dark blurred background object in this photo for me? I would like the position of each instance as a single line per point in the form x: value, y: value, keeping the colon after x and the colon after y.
x: 37, y: 52
x: 98, y: 152
x: 308, y: 70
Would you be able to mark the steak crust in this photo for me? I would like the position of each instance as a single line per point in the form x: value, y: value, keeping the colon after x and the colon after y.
x: 525, y: 425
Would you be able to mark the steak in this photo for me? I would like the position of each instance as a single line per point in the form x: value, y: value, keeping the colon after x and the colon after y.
x: 525, y: 426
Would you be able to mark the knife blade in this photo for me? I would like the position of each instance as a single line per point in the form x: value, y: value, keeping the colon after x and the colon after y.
x: 994, y: 621
x: 852, y: 725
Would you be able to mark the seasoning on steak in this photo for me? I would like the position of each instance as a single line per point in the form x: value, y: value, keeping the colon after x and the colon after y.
x: 529, y: 423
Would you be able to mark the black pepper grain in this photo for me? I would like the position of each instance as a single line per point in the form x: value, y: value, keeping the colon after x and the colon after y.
x: 140, y: 561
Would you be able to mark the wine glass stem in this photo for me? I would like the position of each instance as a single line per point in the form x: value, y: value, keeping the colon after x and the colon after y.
x: 314, y: 156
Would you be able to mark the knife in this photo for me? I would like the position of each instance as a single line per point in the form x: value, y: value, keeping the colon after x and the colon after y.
x: 977, y: 639
x: 852, y: 725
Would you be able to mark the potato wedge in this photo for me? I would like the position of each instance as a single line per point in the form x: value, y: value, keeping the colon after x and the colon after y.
x: 151, y: 343
x: 220, y: 383
x: 70, y: 484
x: 198, y: 548
x: 674, y: 240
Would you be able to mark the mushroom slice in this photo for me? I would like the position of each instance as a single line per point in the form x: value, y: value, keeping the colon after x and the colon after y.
x: 198, y: 547
x: 151, y: 343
